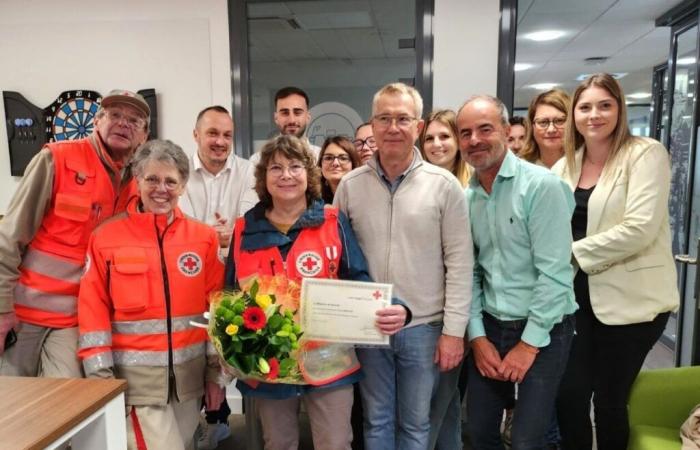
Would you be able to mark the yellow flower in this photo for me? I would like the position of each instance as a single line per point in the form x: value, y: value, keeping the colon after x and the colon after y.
x: 232, y: 329
x: 263, y: 300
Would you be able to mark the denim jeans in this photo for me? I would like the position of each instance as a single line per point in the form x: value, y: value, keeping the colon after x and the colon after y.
x: 536, y: 394
x: 399, y: 382
x: 445, y: 413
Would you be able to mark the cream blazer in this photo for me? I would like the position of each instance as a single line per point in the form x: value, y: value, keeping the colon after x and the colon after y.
x: 627, y: 249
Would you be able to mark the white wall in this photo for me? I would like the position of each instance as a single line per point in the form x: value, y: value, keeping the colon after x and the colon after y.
x: 465, y: 58
x: 178, y: 47
x: 181, y: 49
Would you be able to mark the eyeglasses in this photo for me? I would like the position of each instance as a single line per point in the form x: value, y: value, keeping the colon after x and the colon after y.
x: 385, y: 120
x: 328, y: 159
x: 132, y: 122
x: 154, y: 182
x: 294, y: 169
x: 543, y: 124
x: 370, y: 142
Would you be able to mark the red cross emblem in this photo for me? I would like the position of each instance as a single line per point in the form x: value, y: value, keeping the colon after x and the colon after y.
x: 377, y: 295
x: 309, y: 264
x: 190, y: 264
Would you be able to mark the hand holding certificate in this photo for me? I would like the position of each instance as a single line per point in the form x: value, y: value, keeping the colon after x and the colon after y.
x: 343, y: 311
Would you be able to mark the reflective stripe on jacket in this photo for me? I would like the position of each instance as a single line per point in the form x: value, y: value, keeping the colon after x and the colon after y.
x: 84, y: 193
x: 145, y: 281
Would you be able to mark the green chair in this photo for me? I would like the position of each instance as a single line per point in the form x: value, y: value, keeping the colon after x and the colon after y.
x: 660, y: 401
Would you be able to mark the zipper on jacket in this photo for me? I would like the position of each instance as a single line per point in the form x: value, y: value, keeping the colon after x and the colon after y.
x: 168, y: 312
x: 388, y: 247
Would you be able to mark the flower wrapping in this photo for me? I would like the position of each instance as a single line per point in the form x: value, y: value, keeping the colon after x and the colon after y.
x: 256, y: 331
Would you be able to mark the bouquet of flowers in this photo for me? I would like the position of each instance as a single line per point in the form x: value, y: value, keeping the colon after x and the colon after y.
x: 255, y: 331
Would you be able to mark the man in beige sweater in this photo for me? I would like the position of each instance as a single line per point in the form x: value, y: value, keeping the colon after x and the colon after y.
x: 411, y: 220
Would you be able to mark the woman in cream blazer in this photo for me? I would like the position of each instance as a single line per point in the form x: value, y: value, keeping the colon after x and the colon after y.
x: 626, y: 282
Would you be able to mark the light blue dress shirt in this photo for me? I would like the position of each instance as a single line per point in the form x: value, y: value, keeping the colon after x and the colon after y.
x: 522, y: 249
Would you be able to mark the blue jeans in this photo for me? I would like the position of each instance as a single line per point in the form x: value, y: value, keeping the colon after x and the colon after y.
x: 445, y: 412
x: 399, y: 382
x: 536, y: 394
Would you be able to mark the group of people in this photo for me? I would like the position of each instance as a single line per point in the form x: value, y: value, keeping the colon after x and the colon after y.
x: 505, y: 273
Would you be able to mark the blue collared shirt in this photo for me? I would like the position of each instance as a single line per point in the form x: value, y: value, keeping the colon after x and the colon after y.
x: 394, y: 185
x: 522, y: 249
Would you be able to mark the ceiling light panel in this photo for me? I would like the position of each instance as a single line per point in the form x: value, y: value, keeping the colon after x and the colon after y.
x: 544, y: 35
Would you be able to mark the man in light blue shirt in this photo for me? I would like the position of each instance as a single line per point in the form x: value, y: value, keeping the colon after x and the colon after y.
x: 521, y: 322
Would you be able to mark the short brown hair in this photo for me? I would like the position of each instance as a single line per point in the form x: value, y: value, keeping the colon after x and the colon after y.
x: 291, y: 147
x: 555, y: 98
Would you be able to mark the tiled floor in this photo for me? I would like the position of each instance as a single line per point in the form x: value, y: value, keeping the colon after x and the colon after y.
x: 660, y: 356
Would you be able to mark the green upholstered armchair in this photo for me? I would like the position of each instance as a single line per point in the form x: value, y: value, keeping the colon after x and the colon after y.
x: 660, y: 401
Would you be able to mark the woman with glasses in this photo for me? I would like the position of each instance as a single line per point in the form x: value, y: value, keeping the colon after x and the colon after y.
x: 438, y: 144
x: 626, y: 280
x: 289, y: 226
x: 545, y: 135
x: 338, y: 157
x: 149, y: 272
x: 364, y: 142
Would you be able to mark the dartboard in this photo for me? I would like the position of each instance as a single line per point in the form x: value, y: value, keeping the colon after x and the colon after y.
x: 71, y: 115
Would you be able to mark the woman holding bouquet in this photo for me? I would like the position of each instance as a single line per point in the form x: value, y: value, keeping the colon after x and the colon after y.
x: 149, y: 272
x: 291, y: 225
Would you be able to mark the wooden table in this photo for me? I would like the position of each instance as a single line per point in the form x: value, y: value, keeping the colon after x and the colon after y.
x: 38, y: 413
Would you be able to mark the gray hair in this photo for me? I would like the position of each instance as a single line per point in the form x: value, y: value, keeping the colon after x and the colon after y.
x: 495, y: 101
x: 400, y: 89
x: 162, y: 151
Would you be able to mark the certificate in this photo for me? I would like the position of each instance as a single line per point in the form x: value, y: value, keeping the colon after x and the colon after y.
x: 343, y: 311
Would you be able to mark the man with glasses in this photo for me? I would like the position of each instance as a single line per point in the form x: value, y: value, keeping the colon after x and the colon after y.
x: 412, y: 223
x: 68, y: 188
x: 364, y: 142
x: 219, y: 190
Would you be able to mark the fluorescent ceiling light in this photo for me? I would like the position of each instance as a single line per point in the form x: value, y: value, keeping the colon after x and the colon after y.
x: 544, y: 35
x: 688, y: 60
x: 543, y: 86
x: 616, y: 75
x: 638, y: 95
x: 519, y: 67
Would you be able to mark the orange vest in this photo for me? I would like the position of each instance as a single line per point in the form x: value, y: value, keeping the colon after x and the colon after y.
x: 315, y: 253
x: 140, y: 292
x: 83, y: 195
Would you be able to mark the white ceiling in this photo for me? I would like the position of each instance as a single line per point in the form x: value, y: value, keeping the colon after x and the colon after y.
x: 621, y: 30
x: 354, y: 43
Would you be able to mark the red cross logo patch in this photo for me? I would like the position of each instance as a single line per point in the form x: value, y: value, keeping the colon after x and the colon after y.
x: 309, y: 264
x: 190, y: 264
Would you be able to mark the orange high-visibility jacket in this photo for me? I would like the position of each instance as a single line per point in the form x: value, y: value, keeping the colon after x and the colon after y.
x: 145, y: 280
x: 315, y: 253
x: 84, y: 193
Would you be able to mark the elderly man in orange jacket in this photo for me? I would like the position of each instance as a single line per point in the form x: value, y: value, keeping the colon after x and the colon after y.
x: 68, y: 188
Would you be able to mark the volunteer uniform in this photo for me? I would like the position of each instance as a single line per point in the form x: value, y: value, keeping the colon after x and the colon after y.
x: 145, y: 281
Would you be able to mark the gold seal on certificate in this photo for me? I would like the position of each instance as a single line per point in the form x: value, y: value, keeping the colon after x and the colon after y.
x: 343, y: 311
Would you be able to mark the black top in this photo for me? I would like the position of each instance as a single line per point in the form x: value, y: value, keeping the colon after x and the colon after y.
x: 579, y: 222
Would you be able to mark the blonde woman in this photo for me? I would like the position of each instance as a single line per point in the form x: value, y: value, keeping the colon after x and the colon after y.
x: 438, y: 144
x: 547, y: 115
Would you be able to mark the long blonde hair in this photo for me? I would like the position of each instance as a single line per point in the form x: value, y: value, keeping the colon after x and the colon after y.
x: 621, y: 134
x: 555, y: 98
x: 447, y: 117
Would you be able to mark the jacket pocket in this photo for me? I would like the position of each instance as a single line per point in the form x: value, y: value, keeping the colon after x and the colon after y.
x: 644, y: 262
x: 72, y: 212
x: 129, y: 285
